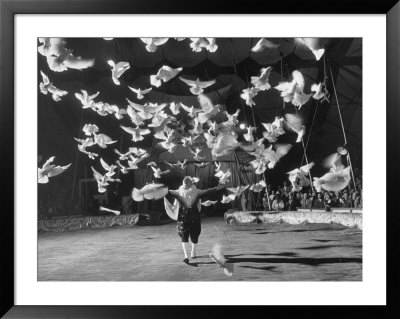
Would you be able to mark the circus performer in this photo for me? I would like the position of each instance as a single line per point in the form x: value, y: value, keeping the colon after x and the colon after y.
x: 186, y: 211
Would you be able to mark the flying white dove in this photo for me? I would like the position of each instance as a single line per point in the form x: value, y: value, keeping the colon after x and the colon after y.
x: 263, y: 44
x: 248, y: 95
x: 90, y: 129
x: 147, y: 110
x: 261, y: 82
x: 333, y: 162
x: 103, y: 140
x: 66, y: 60
x: 139, y: 92
x: 298, y: 176
x: 51, y: 46
x: 86, y: 99
x: 273, y: 130
x: 274, y: 156
x: 153, y: 43
x: 209, y: 110
x: 224, y: 145
x: 124, y: 169
x: 227, y: 199
x: 192, y: 112
x: 134, y: 161
x: 315, y: 45
x: 179, y: 164
x: 150, y: 191
x: 223, y: 176
x: 294, y: 91
x: 158, y: 172
x: 295, y: 123
x: 258, y: 187
x: 118, y: 69
x: 134, y: 116
x: 333, y: 181
x: 209, y: 202
x: 47, y: 87
x: 50, y: 170
x: 196, y: 153
x: 86, y: 143
x: 137, y: 133
x: 109, y: 168
x: 249, y: 137
x: 102, y: 180
x: 175, y: 107
x: 237, y: 191
x: 197, y: 44
x: 320, y: 91
x: 165, y: 74
x: 197, y: 87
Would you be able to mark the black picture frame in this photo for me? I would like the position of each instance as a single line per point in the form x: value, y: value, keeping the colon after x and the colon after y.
x: 8, y: 10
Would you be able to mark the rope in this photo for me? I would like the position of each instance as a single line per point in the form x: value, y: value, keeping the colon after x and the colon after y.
x: 344, y: 133
x: 305, y: 154
x: 76, y: 159
x: 266, y: 189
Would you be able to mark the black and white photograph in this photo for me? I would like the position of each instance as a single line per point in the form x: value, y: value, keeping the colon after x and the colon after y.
x: 199, y: 159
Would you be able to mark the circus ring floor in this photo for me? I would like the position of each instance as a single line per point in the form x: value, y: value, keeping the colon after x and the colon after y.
x: 259, y: 252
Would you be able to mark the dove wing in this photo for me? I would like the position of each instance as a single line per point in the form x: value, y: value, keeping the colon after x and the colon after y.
x: 206, y: 84
x: 188, y: 82
x: 306, y: 168
x: 282, y: 149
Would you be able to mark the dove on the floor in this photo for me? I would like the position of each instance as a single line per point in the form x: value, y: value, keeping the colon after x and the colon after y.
x: 104, y: 209
x: 218, y: 256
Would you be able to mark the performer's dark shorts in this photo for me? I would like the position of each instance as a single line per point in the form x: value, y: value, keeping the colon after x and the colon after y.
x: 190, y: 228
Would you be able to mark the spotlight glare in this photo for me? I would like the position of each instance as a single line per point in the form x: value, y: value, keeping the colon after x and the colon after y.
x: 242, y: 126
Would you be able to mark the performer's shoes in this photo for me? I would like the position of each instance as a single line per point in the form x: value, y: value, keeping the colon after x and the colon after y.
x: 186, y: 261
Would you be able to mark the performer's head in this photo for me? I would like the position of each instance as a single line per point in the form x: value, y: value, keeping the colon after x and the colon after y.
x: 187, y: 182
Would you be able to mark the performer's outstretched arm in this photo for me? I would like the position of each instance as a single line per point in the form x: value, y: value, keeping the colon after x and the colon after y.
x: 205, y: 192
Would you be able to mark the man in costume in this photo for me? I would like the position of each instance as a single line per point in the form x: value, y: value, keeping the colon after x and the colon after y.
x: 186, y: 210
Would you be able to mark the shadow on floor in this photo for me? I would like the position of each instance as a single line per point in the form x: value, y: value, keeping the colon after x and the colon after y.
x: 270, y: 268
x: 303, y: 261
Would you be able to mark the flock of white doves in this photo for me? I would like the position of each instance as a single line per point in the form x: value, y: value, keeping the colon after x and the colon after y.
x: 199, y: 124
